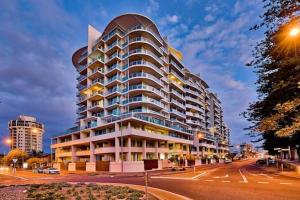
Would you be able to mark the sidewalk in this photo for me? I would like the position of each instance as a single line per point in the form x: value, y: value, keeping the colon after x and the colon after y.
x: 286, y: 172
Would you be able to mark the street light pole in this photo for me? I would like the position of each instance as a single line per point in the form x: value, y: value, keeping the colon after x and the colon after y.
x: 51, y: 153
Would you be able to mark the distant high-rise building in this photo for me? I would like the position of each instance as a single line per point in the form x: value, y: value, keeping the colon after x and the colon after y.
x: 26, y: 134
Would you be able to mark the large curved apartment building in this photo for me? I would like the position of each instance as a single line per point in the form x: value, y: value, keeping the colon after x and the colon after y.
x: 137, y: 101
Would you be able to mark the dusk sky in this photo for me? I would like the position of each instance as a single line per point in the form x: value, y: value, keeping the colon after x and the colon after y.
x: 38, y: 38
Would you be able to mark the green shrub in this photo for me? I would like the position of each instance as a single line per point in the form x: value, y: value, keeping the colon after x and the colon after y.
x: 121, y: 196
x: 78, y: 198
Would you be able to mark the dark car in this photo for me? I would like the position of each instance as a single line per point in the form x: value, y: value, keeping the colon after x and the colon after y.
x: 38, y: 170
x: 261, y: 161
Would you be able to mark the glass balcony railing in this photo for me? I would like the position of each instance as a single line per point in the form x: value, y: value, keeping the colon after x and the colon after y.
x: 143, y: 39
x: 81, y: 68
x: 114, y: 66
x: 112, y: 33
x: 142, y: 62
x: 140, y: 27
x: 81, y: 77
x: 141, y: 74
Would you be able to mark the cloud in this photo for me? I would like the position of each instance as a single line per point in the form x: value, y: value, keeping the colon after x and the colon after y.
x: 219, y: 51
x: 209, y: 18
x: 168, y: 20
x: 37, y: 77
x: 152, y: 7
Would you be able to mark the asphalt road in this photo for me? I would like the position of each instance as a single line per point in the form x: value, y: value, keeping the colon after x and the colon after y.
x: 239, y: 180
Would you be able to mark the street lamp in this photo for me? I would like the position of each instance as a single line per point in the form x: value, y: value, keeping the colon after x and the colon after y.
x: 294, y: 31
x: 8, y: 141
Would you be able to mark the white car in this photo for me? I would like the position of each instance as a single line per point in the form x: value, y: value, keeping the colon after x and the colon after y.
x: 227, y: 161
x: 51, y: 171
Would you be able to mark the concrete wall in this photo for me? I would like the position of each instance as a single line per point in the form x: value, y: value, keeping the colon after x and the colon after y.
x: 90, y: 166
x: 128, y: 166
x: 72, y: 167
x: 56, y: 165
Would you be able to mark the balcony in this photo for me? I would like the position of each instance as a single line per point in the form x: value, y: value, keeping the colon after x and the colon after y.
x: 177, y: 94
x: 112, y: 57
x: 97, y: 59
x: 81, y: 78
x: 144, y: 63
x: 142, y: 28
x: 113, y: 67
x: 177, y: 113
x: 83, y: 153
x: 81, y: 109
x: 160, y: 60
x: 81, y: 68
x: 146, y: 40
x: 177, y: 103
x: 113, y: 33
x: 142, y: 75
x: 94, y: 72
x: 144, y: 99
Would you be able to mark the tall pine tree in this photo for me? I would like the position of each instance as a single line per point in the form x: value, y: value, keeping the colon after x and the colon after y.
x: 275, y: 116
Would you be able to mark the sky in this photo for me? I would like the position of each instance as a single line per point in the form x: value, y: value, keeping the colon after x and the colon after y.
x: 38, y: 38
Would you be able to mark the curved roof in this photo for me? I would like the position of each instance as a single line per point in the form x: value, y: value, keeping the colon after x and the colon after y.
x: 76, y: 56
x: 129, y: 20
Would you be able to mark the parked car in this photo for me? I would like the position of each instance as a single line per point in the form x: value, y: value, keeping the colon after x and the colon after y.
x: 261, y: 161
x: 51, y: 171
x: 271, y: 161
x: 227, y: 161
x: 38, y: 170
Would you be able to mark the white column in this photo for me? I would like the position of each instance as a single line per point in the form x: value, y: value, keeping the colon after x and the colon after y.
x: 156, y: 150
x: 144, y: 149
x: 117, y: 149
x: 73, y: 150
x: 129, y: 149
x: 92, y: 152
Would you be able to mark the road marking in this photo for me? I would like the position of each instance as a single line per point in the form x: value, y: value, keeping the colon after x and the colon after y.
x: 170, y: 177
x: 265, y: 175
x: 226, y: 176
x: 285, y: 183
x: 243, y: 176
x: 225, y: 181
x: 209, y: 180
x: 197, y: 176
x: 179, y: 178
x: 263, y: 182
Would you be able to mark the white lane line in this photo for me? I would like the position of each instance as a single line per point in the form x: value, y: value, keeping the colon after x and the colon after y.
x: 225, y: 181
x: 285, y: 183
x: 209, y: 180
x: 243, y: 176
x: 179, y: 178
x: 170, y: 177
x: 197, y: 176
x: 226, y: 176
x: 263, y: 182
x: 265, y: 175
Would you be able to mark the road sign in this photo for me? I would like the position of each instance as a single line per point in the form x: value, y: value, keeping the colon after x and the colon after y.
x: 276, y: 149
x: 15, y: 160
